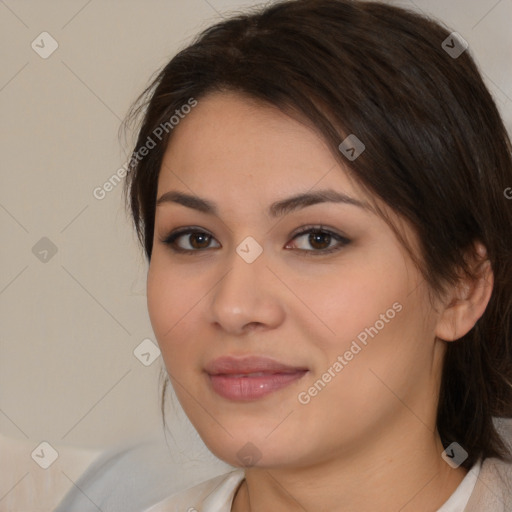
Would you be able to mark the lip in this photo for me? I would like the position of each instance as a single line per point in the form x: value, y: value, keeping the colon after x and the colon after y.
x: 250, y: 378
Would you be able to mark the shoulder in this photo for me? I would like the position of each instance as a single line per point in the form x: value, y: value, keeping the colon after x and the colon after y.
x: 134, y: 476
x: 493, y: 488
x: 214, y: 495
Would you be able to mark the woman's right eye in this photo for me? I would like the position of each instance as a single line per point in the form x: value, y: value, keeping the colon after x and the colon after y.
x: 195, y: 240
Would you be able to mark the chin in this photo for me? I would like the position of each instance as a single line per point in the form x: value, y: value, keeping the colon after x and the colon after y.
x: 246, y: 451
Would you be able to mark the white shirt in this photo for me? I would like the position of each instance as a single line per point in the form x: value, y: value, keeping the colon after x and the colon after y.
x: 217, y: 494
x: 459, y: 499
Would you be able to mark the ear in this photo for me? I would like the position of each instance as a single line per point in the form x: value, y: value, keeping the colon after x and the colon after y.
x: 467, y: 300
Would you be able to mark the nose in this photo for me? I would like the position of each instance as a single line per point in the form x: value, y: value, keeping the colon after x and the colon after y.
x: 246, y: 297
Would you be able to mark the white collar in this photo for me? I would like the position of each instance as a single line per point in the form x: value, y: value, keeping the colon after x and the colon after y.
x: 459, y: 499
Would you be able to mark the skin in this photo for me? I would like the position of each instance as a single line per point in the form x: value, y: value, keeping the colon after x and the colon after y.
x: 368, y: 440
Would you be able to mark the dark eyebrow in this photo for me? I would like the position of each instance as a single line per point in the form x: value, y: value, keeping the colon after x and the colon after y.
x: 277, y: 209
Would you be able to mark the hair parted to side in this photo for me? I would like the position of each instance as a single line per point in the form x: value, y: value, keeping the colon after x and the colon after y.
x: 437, y: 153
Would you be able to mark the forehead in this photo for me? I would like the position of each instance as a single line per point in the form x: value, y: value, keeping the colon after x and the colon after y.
x: 230, y: 139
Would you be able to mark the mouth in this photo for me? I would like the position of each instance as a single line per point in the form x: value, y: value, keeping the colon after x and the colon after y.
x: 250, y: 378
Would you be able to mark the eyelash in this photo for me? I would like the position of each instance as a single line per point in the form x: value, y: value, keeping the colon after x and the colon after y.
x: 170, y: 240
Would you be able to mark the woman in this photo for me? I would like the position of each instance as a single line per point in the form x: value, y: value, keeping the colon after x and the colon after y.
x: 319, y: 190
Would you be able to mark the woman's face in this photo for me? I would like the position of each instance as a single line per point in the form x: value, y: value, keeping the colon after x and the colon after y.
x: 285, y: 347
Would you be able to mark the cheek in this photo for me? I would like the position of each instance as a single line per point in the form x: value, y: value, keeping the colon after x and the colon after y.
x: 377, y: 325
x: 171, y: 299
x: 351, y: 302
x: 159, y: 300
x: 383, y: 356
x: 392, y: 362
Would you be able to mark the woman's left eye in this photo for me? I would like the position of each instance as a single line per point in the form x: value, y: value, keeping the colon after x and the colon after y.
x: 322, y: 240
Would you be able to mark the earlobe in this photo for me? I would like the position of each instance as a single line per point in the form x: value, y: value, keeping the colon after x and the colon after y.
x: 468, y: 299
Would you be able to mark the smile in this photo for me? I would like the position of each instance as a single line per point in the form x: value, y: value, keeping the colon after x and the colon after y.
x: 250, y: 378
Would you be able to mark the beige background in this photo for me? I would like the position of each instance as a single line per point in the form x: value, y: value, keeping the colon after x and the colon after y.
x: 69, y: 325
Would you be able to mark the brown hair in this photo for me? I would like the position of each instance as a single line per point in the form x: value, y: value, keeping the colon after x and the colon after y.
x: 437, y: 153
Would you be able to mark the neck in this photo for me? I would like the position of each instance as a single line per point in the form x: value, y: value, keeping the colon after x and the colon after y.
x: 410, y: 477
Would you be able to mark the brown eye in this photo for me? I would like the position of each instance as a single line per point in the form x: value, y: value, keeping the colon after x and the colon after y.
x: 189, y: 240
x: 199, y: 240
x: 319, y: 241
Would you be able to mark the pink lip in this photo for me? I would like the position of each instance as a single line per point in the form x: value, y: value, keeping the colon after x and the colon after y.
x: 250, y: 378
